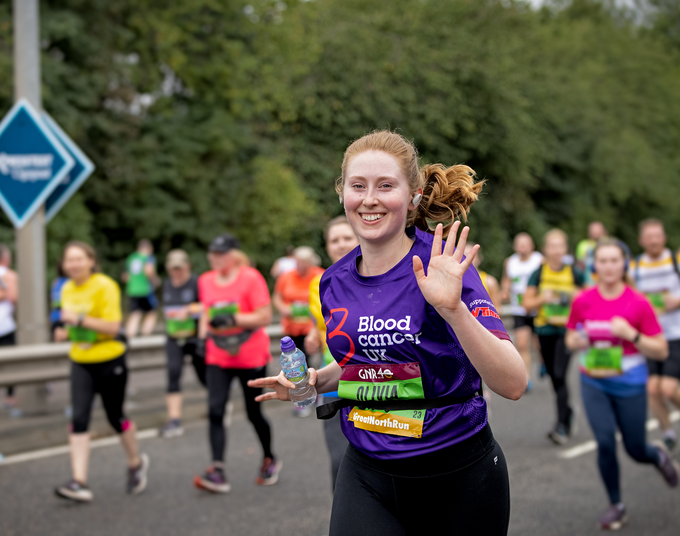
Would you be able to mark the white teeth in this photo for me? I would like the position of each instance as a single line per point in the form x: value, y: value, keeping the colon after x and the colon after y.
x: 372, y: 217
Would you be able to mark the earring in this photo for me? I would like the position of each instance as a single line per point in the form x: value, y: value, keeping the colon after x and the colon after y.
x: 341, y: 199
x: 416, y: 199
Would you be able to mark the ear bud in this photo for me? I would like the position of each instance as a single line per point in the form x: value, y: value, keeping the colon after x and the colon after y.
x: 341, y: 200
x: 416, y: 199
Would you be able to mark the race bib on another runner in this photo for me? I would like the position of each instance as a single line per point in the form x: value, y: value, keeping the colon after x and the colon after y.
x: 299, y: 312
x: 223, y: 308
x: 380, y: 383
x: 603, y: 360
x: 81, y: 335
x: 657, y: 301
x: 176, y: 328
x: 556, y: 314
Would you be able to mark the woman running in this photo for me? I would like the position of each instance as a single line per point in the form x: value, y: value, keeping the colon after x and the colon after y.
x: 411, y: 330
x: 236, y: 308
x: 182, y: 310
x: 615, y: 328
x: 551, y: 290
x: 340, y: 240
x: 90, y: 311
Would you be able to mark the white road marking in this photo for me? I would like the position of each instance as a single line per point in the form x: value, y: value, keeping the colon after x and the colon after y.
x: 64, y: 449
x: 590, y: 446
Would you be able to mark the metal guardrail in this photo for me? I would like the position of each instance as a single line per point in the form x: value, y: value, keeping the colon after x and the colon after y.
x: 38, y: 363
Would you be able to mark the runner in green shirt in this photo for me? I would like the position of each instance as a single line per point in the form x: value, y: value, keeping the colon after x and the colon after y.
x: 141, y: 279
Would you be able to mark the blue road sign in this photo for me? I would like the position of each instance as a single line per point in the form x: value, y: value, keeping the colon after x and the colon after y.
x: 78, y: 175
x: 32, y: 162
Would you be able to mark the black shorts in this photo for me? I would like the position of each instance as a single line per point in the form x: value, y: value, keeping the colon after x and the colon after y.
x: 524, y: 321
x: 671, y: 366
x: 461, y: 490
x: 9, y: 339
x: 143, y: 303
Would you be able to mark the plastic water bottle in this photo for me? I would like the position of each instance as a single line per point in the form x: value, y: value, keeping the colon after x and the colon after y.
x: 294, y: 366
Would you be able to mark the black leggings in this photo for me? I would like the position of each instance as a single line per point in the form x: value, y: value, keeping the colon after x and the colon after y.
x: 461, y: 490
x: 109, y: 380
x: 175, y: 353
x: 556, y: 357
x: 218, y: 380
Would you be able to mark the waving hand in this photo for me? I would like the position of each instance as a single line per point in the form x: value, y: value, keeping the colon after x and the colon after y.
x: 443, y: 284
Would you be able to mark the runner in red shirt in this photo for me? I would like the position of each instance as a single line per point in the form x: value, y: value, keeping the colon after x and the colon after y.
x: 236, y: 308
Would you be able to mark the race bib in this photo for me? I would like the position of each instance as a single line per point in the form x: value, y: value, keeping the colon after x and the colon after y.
x: 556, y: 314
x: 380, y: 383
x: 81, y: 335
x: 223, y: 308
x: 656, y: 299
x: 176, y: 328
x: 603, y: 361
x: 136, y: 266
x: 299, y: 312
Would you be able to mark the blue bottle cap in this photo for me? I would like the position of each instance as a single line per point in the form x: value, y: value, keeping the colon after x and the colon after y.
x: 287, y: 344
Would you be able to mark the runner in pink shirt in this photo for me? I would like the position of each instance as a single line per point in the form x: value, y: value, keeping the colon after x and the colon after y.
x: 614, y: 328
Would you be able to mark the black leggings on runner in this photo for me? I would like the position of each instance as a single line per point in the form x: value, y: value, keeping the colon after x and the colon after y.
x: 461, y: 490
x: 109, y: 380
x: 556, y: 357
x: 219, y: 384
x: 175, y: 353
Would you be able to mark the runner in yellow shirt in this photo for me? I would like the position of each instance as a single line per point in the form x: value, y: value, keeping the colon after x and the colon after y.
x: 90, y: 311
x: 340, y: 240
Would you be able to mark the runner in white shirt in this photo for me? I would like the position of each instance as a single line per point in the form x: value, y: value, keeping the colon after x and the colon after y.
x: 655, y: 273
x: 516, y: 272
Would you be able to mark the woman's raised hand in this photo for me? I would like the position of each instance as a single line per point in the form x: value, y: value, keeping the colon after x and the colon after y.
x: 443, y: 284
x: 280, y: 385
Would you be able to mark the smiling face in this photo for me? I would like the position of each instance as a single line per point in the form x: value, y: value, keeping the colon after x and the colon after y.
x: 653, y: 240
x: 341, y: 240
x: 221, y: 262
x: 609, y: 264
x: 76, y: 264
x: 555, y: 249
x: 376, y: 197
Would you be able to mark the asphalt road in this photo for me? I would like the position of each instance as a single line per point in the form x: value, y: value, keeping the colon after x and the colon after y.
x: 551, y: 495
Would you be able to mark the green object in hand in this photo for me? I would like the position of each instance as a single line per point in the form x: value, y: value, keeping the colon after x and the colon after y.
x: 656, y: 299
x: 223, y: 309
x: 81, y: 334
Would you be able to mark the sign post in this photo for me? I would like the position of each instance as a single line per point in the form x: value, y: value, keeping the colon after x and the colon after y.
x: 30, y: 239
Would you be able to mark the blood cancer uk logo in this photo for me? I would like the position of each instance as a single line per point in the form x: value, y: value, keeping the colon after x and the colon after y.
x: 375, y: 335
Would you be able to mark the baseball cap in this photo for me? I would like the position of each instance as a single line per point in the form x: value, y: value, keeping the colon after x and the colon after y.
x: 224, y: 243
x: 177, y: 258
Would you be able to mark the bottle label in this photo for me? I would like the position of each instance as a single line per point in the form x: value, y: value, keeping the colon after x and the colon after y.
x: 297, y: 374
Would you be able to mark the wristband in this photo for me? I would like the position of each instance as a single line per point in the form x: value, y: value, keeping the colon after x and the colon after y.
x: 637, y: 338
x: 81, y: 317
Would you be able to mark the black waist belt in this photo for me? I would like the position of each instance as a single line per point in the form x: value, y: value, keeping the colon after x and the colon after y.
x: 328, y: 411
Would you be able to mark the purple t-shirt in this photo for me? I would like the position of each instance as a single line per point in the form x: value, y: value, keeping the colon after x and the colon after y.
x: 381, y: 329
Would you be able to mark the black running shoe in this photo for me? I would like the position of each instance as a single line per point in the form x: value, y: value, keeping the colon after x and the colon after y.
x: 136, y: 481
x: 74, y: 491
x: 668, y: 467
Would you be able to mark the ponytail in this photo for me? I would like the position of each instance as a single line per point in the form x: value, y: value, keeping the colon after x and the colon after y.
x: 448, y: 193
